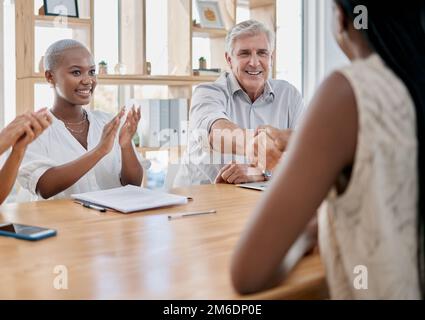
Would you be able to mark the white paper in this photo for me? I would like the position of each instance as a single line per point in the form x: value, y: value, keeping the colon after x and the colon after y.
x: 130, y: 198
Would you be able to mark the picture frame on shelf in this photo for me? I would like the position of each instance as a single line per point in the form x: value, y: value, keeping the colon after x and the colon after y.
x: 66, y: 8
x: 209, y: 14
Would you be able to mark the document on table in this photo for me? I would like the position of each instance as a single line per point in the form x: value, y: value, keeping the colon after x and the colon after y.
x: 130, y: 199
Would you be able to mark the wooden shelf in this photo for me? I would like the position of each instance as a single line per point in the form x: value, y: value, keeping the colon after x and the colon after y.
x: 143, y: 80
x: 260, y: 3
x: 200, y: 32
x: 50, y: 20
x: 150, y: 149
x: 181, y: 52
x: 166, y: 80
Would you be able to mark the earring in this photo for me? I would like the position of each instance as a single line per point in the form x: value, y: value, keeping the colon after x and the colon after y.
x: 340, y: 38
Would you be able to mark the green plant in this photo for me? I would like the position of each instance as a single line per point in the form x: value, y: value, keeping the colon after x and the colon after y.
x: 103, y: 63
x: 202, y: 59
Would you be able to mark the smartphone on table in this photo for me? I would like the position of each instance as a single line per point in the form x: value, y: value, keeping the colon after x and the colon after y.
x: 25, y: 232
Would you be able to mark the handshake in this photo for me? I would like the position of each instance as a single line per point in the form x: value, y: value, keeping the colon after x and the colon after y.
x: 263, y: 150
x: 267, y: 147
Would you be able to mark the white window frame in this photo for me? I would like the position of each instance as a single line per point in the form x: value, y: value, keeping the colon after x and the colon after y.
x: 313, y: 45
x: 321, y: 54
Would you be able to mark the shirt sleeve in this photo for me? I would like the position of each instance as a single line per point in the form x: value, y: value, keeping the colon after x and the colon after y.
x: 297, y: 110
x: 208, y: 106
x: 34, y: 165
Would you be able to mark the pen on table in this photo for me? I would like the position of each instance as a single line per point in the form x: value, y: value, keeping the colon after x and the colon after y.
x: 190, y: 214
x: 93, y: 206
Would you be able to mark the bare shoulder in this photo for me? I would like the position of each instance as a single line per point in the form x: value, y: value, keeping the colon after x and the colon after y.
x: 335, y: 94
x: 334, y: 103
x: 331, y: 121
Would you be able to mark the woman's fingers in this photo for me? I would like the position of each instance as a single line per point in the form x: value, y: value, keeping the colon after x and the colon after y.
x: 36, y: 126
x: 139, y: 113
x: 115, y: 126
x: 119, y: 115
x: 42, y: 110
x: 18, y: 127
x: 114, y: 122
x: 43, y: 119
x: 29, y: 133
x: 110, y: 130
x: 46, y: 114
x: 134, y: 120
x: 129, y: 118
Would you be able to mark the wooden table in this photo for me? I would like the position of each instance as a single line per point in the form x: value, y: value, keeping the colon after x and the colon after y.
x: 139, y: 255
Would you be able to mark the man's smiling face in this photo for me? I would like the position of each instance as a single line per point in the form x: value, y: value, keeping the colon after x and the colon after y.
x: 250, y: 62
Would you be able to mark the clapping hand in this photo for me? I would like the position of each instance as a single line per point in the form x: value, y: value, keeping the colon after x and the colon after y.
x: 109, y: 133
x: 129, y: 127
x: 24, y: 129
x: 36, y: 123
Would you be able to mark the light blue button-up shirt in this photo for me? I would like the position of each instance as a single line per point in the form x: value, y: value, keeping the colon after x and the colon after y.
x: 280, y: 106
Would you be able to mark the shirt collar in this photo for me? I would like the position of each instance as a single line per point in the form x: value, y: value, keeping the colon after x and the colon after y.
x: 235, y: 87
x: 268, y: 91
x: 55, y: 121
x: 233, y: 83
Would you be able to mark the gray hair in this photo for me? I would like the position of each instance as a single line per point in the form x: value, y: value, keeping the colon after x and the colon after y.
x: 248, y: 28
x: 54, y: 52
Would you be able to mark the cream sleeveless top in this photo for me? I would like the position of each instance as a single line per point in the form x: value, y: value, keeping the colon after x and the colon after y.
x: 368, y: 234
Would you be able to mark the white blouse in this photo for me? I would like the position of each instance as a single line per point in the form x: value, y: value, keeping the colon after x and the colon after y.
x: 368, y: 234
x: 56, y: 146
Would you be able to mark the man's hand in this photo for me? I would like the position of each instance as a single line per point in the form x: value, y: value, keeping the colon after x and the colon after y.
x: 239, y: 173
x: 227, y: 137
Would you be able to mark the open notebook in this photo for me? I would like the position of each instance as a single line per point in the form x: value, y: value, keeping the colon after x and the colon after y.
x: 130, y: 199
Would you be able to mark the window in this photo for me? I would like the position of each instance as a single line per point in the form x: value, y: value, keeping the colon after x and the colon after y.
x: 106, y: 35
x: 157, y: 36
x: 289, y: 39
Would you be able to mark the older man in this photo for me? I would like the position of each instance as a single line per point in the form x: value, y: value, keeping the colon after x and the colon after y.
x: 226, y: 112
